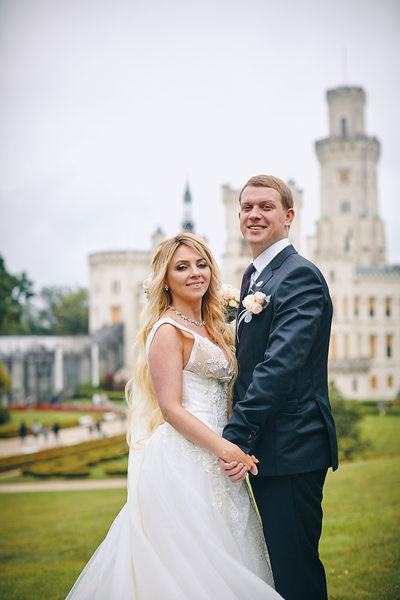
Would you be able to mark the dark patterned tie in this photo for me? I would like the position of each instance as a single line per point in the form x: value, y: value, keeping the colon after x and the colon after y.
x: 246, y: 280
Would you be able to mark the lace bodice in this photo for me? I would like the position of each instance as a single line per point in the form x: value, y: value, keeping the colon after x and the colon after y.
x: 205, y: 378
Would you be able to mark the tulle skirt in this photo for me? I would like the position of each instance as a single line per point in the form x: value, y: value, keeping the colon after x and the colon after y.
x: 185, y: 533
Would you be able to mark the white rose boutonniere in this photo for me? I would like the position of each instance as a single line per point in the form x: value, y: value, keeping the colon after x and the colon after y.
x: 254, y: 304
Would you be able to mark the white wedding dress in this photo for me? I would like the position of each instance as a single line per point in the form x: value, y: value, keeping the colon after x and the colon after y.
x: 186, y: 532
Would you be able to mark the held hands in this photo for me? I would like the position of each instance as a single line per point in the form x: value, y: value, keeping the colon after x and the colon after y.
x: 237, y: 463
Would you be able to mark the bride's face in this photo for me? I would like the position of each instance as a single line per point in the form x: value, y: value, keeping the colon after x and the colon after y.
x: 188, y: 275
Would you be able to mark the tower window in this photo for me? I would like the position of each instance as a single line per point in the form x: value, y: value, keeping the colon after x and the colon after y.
x: 343, y: 126
x: 356, y: 306
x: 372, y: 307
x: 115, y: 287
x: 354, y: 385
x: 373, y: 383
x: 346, y: 345
x: 116, y: 314
x: 390, y: 381
x: 388, y: 307
x: 372, y: 346
x: 333, y: 346
x: 345, y: 307
x: 345, y: 206
x: 344, y: 175
x: 389, y: 351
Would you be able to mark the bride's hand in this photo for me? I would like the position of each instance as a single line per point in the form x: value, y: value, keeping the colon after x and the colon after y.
x: 232, y: 453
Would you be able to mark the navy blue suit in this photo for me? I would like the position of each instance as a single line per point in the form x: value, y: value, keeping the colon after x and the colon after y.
x: 282, y: 415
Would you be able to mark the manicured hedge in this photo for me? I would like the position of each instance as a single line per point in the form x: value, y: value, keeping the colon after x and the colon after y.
x: 88, y: 453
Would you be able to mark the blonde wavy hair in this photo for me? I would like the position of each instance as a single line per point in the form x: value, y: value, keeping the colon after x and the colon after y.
x: 144, y: 412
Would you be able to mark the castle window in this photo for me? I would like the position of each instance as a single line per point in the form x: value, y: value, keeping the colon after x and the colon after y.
x: 372, y: 346
x: 344, y: 175
x: 389, y: 350
x: 354, y: 385
x: 343, y: 126
x: 332, y: 349
x: 115, y: 287
x: 356, y: 306
x: 371, y: 304
x: 373, y: 383
x: 390, y: 381
x: 388, y: 307
x: 345, y: 206
x: 346, y: 345
x: 116, y: 314
x: 332, y: 275
x: 345, y: 307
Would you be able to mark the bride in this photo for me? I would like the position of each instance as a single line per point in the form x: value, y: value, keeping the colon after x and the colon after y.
x: 186, y: 531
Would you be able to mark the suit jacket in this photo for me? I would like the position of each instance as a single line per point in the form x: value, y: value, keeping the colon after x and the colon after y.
x: 281, y: 407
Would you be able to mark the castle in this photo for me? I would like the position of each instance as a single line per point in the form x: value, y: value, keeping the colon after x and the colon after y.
x: 349, y: 248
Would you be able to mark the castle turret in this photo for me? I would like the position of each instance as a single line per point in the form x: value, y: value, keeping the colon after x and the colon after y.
x: 350, y: 227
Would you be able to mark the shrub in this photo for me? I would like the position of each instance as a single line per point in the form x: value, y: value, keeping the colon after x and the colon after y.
x: 4, y: 415
x: 348, y: 416
x: 108, y: 382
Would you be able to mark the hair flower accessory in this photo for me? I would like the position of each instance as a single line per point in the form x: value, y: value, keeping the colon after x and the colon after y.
x: 146, y: 285
x: 231, y: 299
x: 254, y: 304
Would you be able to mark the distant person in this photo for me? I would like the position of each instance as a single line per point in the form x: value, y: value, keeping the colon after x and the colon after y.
x: 46, y: 431
x: 36, y: 429
x: 23, y: 431
x: 56, y: 429
x: 98, y: 428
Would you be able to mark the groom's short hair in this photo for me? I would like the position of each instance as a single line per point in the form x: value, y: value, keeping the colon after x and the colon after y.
x: 270, y: 181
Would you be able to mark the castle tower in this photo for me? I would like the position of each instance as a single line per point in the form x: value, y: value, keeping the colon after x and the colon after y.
x: 187, y: 223
x: 349, y: 248
x: 350, y: 228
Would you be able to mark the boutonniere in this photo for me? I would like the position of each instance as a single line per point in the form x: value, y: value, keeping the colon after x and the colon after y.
x: 231, y: 298
x: 254, y: 304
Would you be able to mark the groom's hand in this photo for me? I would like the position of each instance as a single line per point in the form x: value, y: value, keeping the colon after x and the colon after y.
x: 237, y: 471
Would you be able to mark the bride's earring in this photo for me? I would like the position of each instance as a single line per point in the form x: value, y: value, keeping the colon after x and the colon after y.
x: 166, y: 288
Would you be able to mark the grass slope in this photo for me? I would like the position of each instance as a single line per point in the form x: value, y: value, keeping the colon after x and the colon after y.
x: 47, y: 538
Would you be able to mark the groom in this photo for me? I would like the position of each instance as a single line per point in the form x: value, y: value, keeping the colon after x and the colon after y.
x: 281, y: 408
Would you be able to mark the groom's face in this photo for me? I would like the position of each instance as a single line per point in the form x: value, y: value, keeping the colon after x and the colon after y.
x: 263, y: 219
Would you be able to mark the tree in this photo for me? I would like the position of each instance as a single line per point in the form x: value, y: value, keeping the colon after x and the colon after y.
x: 15, y: 292
x: 5, y: 386
x: 59, y: 311
x: 71, y: 313
x: 348, y: 417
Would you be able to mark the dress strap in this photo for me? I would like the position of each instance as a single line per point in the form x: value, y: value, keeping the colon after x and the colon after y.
x: 178, y: 326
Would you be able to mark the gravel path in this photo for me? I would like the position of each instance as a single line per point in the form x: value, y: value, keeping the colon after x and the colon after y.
x: 65, y: 486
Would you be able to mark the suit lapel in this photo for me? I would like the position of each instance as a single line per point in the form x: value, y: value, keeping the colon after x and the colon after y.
x: 261, y: 282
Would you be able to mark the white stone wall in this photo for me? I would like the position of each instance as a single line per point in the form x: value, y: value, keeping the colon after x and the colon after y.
x: 116, y: 280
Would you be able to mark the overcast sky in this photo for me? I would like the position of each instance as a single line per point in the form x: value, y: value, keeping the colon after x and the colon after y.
x: 108, y: 108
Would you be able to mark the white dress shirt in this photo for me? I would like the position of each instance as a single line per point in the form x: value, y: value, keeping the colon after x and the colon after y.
x: 265, y: 258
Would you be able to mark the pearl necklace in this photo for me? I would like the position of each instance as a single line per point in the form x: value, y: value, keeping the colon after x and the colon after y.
x: 198, y: 323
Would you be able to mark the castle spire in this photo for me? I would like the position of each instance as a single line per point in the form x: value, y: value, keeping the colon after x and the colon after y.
x: 187, y: 223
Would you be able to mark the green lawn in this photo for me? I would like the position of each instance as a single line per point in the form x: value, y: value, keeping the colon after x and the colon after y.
x: 383, y: 434
x: 46, y: 538
x: 360, y: 544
